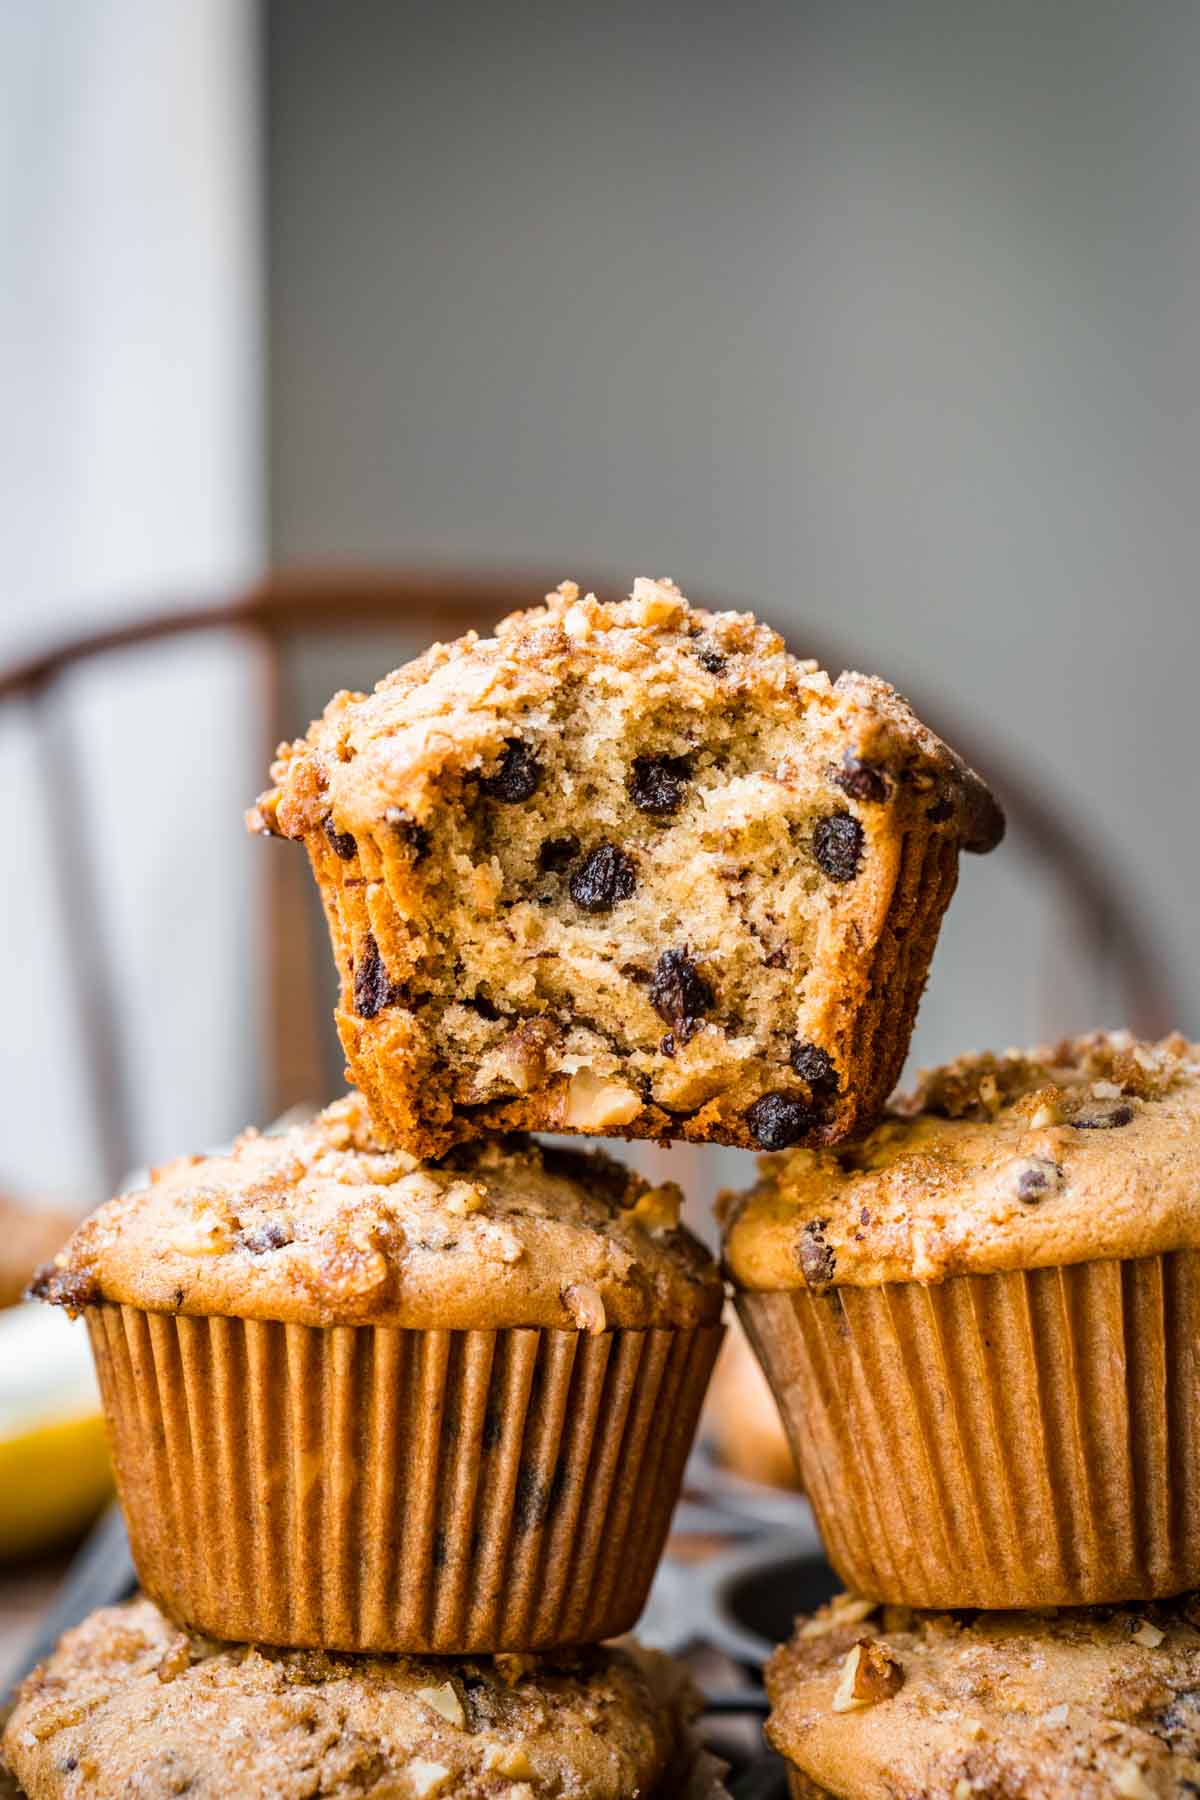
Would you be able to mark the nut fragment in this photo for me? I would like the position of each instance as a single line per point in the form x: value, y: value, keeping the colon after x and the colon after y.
x: 586, y: 1306
x: 426, y: 1778
x: 1129, y: 1781
x: 444, y: 1699
x: 175, y: 1658
x: 507, y: 1759
x: 870, y: 1673
x: 655, y: 602
x: 1149, y: 1635
x: 843, y: 1609
x: 594, y: 1102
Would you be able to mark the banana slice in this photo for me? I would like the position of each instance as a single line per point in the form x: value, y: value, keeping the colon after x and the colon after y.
x: 55, y: 1473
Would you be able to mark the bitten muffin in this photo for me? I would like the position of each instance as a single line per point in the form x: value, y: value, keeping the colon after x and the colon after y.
x: 361, y: 1404
x: 128, y: 1705
x: 1074, y: 1705
x: 628, y: 869
x: 982, y: 1327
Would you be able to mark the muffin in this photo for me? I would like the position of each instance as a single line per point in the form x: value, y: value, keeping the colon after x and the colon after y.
x: 28, y: 1235
x: 1074, y: 1705
x: 628, y: 869
x: 127, y: 1704
x: 361, y: 1404
x: 982, y: 1327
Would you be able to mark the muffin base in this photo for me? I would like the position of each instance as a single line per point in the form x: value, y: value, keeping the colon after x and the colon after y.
x: 368, y: 1488
x: 1014, y: 1440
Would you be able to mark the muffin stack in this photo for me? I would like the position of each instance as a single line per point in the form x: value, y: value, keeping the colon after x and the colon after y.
x: 982, y: 1327
x: 398, y: 1384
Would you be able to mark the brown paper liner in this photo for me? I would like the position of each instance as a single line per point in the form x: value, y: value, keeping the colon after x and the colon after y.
x: 1025, y: 1439
x: 364, y: 1488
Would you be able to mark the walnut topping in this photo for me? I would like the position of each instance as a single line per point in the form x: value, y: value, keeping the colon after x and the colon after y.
x: 444, y: 1700
x: 870, y: 1673
x: 498, y: 1243
x: 586, y: 1306
x: 427, y: 1778
x: 655, y: 602
x: 176, y: 1658
x: 843, y: 1609
x: 1131, y: 1783
x: 463, y: 1197
x: 596, y: 1104
x: 507, y: 1759
x: 1149, y: 1635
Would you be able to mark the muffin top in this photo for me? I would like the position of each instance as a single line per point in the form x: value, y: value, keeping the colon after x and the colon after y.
x: 1030, y: 1159
x: 319, y: 1226
x: 1088, y: 1704
x: 126, y: 1704
x: 451, y: 710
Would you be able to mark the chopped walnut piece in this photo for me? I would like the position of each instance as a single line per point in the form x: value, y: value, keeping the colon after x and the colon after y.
x: 175, y: 1659
x: 427, y: 1778
x: 596, y: 1104
x: 843, y: 1609
x: 1130, y: 1782
x: 522, y: 1055
x: 1149, y: 1635
x: 464, y: 1197
x: 870, y: 1673
x: 444, y: 1699
x: 586, y: 1306
x: 507, y: 1759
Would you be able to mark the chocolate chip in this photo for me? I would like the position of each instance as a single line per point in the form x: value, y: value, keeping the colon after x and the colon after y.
x: 274, y: 1235
x: 1102, y: 1118
x: 557, y: 853
x: 518, y: 776
x: 940, y: 811
x: 710, y: 658
x: 814, y: 1065
x: 861, y: 780
x: 372, y: 989
x: 657, y: 784
x: 1039, y: 1177
x: 341, y: 842
x: 480, y: 1004
x: 605, y: 876
x: 817, y: 1259
x: 667, y: 1046
x: 778, y: 959
x: 406, y: 827
x: 778, y: 1120
x: 837, y: 846
x: 679, y: 994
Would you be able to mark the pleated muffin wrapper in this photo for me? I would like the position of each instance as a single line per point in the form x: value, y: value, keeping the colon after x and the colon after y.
x: 1011, y: 1440
x: 378, y: 1489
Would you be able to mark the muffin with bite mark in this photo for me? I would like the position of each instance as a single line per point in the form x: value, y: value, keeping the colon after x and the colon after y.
x: 129, y: 1704
x: 982, y: 1327
x: 627, y: 869
x: 362, y: 1403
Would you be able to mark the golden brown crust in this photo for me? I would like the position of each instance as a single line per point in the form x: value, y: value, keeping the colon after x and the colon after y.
x: 128, y: 1705
x: 428, y: 809
x: 1079, y: 1152
x: 319, y: 1226
x: 1076, y: 1705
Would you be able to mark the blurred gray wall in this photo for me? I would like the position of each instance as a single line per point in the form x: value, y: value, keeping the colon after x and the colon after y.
x: 883, y: 318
